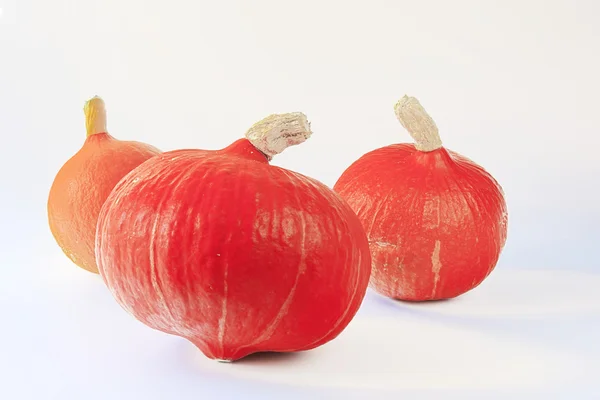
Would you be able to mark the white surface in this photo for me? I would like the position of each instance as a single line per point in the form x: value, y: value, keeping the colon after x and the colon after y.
x: 69, y: 339
x: 511, y: 84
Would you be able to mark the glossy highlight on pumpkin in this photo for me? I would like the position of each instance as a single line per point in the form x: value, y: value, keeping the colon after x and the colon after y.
x: 234, y: 254
x: 84, y: 182
x: 435, y: 220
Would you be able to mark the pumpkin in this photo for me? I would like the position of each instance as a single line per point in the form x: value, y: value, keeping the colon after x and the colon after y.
x: 436, y: 221
x: 84, y: 182
x: 234, y: 254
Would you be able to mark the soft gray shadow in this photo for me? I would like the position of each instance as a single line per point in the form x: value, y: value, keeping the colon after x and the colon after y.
x: 186, y: 351
x: 270, y: 357
x: 548, y: 330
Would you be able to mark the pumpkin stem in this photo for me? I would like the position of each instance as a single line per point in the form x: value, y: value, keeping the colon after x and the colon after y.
x: 277, y: 132
x: 418, y: 123
x: 95, y: 116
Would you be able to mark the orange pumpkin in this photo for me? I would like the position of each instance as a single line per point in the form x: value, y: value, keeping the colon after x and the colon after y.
x: 85, y: 181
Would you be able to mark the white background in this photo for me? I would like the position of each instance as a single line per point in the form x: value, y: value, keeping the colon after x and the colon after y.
x: 511, y: 84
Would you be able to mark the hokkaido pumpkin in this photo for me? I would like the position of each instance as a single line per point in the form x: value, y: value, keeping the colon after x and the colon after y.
x: 436, y: 221
x: 234, y: 254
x: 84, y: 182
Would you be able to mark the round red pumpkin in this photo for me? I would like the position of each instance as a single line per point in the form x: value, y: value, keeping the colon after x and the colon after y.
x: 234, y: 254
x: 436, y: 221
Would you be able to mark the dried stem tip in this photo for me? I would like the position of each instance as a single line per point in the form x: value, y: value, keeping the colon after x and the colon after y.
x: 95, y: 116
x: 418, y: 123
x: 277, y: 132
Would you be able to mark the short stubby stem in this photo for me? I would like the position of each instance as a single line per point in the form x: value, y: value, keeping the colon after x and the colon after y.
x: 277, y: 132
x: 95, y: 116
x: 418, y: 123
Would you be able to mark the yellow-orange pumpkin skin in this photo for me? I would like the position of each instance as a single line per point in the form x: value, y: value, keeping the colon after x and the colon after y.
x: 83, y: 184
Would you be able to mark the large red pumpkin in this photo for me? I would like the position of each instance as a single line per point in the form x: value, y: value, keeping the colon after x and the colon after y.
x: 436, y: 221
x: 234, y: 254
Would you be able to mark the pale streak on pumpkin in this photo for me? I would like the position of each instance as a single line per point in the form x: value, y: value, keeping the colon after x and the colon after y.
x: 436, y: 265
x: 152, y: 247
x: 223, y: 309
x: 153, y: 278
x: 287, y: 223
x: 261, y: 226
x: 384, y: 244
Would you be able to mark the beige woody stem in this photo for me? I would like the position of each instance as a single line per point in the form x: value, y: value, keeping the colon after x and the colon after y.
x: 95, y: 116
x: 277, y: 132
x: 418, y: 123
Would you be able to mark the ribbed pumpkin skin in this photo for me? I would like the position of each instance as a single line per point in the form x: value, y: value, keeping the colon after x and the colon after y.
x: 231, y: 253
x: 82, y: 185
x: 436, y: 221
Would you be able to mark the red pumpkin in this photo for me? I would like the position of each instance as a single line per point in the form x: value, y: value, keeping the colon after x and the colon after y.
x: 231, y: 253
x: 84, y: 182
x: 436, y: 221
